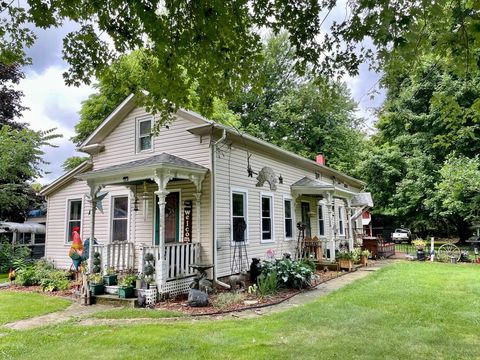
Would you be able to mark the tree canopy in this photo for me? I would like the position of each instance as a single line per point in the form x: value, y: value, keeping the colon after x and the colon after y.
x: 216, y: 45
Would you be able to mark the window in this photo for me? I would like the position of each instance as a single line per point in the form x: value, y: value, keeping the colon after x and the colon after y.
x: 340, y: 221
x: 239, y: 216
x: 321, y: 220
x: 144, y: 135
x: 267, y: 212
x: 287, y: 205
x: 74, y: 216
x: 120, y: 218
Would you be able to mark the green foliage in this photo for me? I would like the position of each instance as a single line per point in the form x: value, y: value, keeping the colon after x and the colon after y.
x: 419, y: 244
x: 344, y: 255
x: 127, y: 281
x: 268, y: 283
x: 44, y: 274
x: 290, y: 273
x: 96, y: 278
x: 15, y: 257
x: 56, y: 280
x: 225, y: 300
x: 72, y: 162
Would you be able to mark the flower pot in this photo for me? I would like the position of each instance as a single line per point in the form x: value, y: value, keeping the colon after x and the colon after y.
x: 96, y: 289
x: 110, y: 280
x: 346, y: 264
x: 125, y: 292
x: 420, y: 255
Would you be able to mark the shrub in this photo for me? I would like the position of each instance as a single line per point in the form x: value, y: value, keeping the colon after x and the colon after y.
x: 16, y: 257
x: 290, y: 273
x: 227, y: 299
x: 55, y: 280
x: 267, y: 284
x: 26, y: 276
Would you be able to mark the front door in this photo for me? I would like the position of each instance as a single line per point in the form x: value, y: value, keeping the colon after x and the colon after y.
x: 306, y: 219
x: 172, y: 218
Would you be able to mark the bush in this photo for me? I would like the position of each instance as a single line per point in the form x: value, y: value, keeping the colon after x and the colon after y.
x: 55, y: 280
x: 267, y: 284
x: 43, y: 273
x: 26, y: 276
x: 290, y: 273
x: 15, y: 257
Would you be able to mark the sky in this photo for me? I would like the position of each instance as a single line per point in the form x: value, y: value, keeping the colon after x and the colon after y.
x: 52, y: 104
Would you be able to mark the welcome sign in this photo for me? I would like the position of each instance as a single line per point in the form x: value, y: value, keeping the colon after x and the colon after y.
x: 187, y: 221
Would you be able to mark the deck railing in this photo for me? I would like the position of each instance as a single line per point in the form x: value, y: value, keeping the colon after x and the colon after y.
x: 178, y: 258
x: 117, y: 255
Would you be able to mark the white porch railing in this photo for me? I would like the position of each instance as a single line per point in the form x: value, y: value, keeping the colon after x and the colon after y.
x: 178, y: 258
x: 117, y: 255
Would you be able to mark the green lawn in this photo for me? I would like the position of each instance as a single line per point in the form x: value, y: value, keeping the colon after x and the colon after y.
x: 3, y: 278
x: 126, y: 313
x: 405, y: 311
x: 20, y: 305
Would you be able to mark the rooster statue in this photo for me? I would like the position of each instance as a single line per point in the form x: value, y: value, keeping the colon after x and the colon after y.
x: 11, y: 275
x: 76, y: 250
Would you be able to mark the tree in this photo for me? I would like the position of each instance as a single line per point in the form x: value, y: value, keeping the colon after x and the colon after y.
x: 73, y: 161
x: 216, y: 45
x: 20, y: 162
x: 10, y: 99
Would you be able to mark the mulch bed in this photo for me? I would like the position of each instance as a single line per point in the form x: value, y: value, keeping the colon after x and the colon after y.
x: 38, y: 289
x: 179, y: 304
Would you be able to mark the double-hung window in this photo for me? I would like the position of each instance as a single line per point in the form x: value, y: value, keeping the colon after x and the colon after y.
x: 119, y: 218
x: 74, y: 216
x: 321, y: 220
x: 144, y: 141
x: 267, y: 217
x: 239, y: 216
x: 341, y: 230
x: 287, y: 205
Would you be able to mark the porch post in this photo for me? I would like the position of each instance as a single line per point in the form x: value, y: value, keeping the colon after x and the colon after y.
x: 349, y: 219
x: 161, y: 178
x: 93, y: 200
x: 332, y: 226
x: 198, y: 196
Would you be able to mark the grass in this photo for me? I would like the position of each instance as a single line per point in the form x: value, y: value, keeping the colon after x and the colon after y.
x: 404, y: 311
x: 126, y: 313
x: 3, y: 278
x: 21, y: 305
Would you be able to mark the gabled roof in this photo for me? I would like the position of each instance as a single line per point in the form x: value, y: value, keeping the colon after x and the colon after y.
x: 163, y: 159
x: 65, y: 178
x: 363, y: 199
x: 308, y: 182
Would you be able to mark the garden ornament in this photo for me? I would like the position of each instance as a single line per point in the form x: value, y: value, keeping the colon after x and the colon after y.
x: 76, y: 249
x: 267, y: 175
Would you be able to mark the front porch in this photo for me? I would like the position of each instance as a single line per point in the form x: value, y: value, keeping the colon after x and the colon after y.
x: 155, y: 222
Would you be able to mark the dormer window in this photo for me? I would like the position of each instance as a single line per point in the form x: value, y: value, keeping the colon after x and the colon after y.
x: 144, y: 135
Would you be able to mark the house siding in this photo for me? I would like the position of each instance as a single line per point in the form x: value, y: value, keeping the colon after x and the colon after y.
x: 231, y: 172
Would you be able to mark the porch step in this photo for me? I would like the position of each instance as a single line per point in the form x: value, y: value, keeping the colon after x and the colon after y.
x: 114, y: 300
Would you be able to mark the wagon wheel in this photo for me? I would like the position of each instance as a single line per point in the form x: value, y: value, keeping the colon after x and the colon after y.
x: 447, y: 251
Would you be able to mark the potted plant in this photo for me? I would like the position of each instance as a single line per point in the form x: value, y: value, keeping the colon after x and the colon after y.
x: 125, y: 289
x: 96, y: 284
x: 345, y: 260
x: 420, y: 245
x: 364, y: 256
x: 110, y: 277
x: 356, y: 255
x: 139, y: 280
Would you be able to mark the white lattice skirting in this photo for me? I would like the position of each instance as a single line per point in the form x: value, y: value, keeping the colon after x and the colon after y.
x: 176, y: 287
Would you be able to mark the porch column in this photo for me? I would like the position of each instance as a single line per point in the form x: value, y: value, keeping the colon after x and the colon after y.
x: 161, y: 178
x: 198, y: 196
x: 332, y: 226
x: 93, y: 200
x: 349, y: 219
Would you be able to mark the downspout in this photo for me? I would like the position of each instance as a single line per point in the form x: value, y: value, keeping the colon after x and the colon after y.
x: 214, y: 210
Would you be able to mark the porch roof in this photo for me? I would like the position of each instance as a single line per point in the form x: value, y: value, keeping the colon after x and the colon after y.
x: 362, y: 199
x: 145, y: 168
x: 309, y: 186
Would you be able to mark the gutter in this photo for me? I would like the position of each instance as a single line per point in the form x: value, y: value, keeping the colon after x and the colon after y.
x: 214, y: 211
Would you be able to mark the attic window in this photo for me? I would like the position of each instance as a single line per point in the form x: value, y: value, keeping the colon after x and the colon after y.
x: 144, y: 135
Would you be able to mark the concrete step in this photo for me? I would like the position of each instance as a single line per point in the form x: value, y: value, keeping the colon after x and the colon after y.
x: 114, y: 300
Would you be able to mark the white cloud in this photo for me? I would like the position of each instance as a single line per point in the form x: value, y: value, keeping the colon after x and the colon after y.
x: 52, y: 104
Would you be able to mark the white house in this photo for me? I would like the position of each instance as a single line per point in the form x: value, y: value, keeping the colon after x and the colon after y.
x: 195, y: 193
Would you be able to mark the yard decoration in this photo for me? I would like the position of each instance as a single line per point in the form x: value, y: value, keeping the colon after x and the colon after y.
x: 267, y: 175
x: 76, y: 251
x: 420, y: 245
x: 345, y: 260
x: 197, y: 298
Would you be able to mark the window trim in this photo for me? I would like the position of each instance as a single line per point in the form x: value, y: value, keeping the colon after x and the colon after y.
x: 341, y: 231
x: 110, y: 219
x: 272, y: 217
x: 292, y: 214
x: 323, y: 207
x: 245, y: 204
x: 137, y: 134
x: 67, y: 217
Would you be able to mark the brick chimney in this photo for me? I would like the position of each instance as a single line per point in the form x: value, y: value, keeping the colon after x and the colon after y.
x: 320, y: 159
